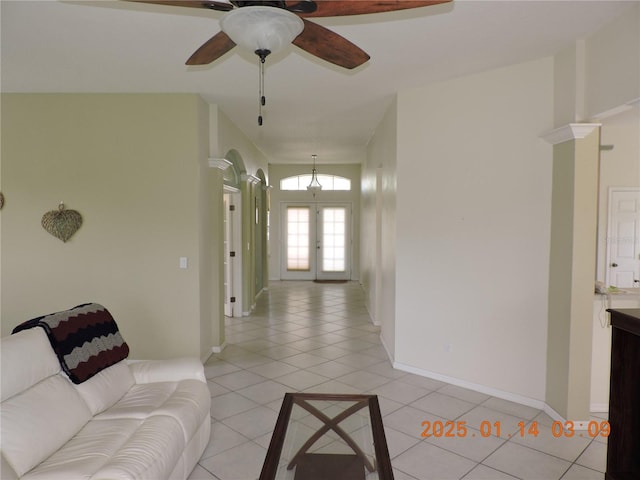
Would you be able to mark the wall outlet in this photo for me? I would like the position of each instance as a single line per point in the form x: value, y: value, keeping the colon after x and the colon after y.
x: 448, y: 347
x: 184, y: 263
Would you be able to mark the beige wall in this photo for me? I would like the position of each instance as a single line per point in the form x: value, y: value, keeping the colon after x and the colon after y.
x: 568, y: 92
x: 473, y: 205
x: 612, y: 64
x: 231, y: 137
x: 130, y: 164
x: 378, y: 253
x: 211, y: 259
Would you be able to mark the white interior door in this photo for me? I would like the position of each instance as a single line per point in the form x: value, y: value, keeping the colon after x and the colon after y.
x: 316, y: 241
x: 232, y: 254
x: 623, y: 252
x: 228, y: 269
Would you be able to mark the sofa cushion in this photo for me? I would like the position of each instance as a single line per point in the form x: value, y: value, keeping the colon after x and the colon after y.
x: 106, y: 388
x: 187, y: 402
x: 38, y: 421
x: 151, y: 371
x: 26, y: 359
x: 150, y: 454
x: 189, y: 405
x: 85, y: 339
x: 87, y: 452
x: 123, y: 449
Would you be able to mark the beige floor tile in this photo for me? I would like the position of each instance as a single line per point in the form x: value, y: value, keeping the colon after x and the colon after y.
x: 482, y: 472
x: 526, y: 463
x: 512, y: 408
x: 240, y: 463
x: 273, y: 369
x: 567, y: 448
x: 469, y: 444
x: 464, y: 394
x: 493, y: 422
x: 408, y: 420
x: 594, y: 457
x: 428, y: 462
x: 401, y: 392
x: 229, y: 404
x: 265, y: 392
x: 443, y: 405
x: 253, y: 423
x: 301, y: 379
x: 578, y: 472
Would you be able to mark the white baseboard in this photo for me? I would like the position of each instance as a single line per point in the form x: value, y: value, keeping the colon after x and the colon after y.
x: 553, y: 414
x: 384, y: 345
x: 600, y: 407
x: 214, y: 349
x: 494, y: 392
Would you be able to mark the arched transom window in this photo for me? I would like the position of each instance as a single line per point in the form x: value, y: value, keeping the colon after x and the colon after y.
x: 328, y: 182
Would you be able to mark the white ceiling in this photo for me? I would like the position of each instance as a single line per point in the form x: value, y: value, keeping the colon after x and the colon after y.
x: 312, y: 106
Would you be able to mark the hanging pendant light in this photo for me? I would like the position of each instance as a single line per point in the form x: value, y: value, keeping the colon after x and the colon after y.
x: 314, y: 186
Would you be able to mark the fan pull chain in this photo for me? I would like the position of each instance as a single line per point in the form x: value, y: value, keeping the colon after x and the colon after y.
x: 263, y: 100
x: 262, y: 54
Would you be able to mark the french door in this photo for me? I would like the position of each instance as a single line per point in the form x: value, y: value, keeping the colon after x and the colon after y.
x: 316, y: 241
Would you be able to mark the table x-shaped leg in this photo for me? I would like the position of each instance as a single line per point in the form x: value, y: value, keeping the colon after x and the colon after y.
x: 331, y: 423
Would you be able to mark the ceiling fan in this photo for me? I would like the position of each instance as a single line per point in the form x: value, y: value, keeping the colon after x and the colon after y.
x: 245, y: 20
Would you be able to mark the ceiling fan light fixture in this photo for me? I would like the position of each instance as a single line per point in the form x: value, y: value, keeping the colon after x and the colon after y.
x: 262, y: 28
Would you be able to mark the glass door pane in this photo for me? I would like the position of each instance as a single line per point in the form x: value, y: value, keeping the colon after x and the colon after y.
x: 333, y: 239
x: 334, y: 229
x: 298, y: 239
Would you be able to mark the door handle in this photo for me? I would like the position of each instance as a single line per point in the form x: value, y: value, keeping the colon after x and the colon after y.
x: 614, y: 265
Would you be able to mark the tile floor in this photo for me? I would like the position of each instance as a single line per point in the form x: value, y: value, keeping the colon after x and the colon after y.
x: 313, y: 337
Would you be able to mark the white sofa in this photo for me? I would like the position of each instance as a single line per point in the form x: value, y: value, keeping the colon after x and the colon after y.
x: 133, y: 420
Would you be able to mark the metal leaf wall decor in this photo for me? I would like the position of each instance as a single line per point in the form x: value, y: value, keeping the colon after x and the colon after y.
x: 62, y: 223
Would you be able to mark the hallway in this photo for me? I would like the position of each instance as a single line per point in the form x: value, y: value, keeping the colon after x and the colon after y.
x: 311, y: 337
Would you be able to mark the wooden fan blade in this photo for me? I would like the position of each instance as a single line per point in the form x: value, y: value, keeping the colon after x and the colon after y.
x: 212, y: 49
x: 337, y: 8
x: 208, y: 4
x: 330, y: 46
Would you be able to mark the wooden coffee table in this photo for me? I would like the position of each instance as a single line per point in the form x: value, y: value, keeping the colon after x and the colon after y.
x: 321, y: 436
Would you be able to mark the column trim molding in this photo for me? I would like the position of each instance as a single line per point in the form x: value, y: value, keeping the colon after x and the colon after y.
x: 247, y: 177
x: 572, y: 131
x: 221, y: 163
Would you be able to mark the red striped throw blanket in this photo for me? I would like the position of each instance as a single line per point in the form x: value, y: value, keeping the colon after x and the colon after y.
x: 85, y: 339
